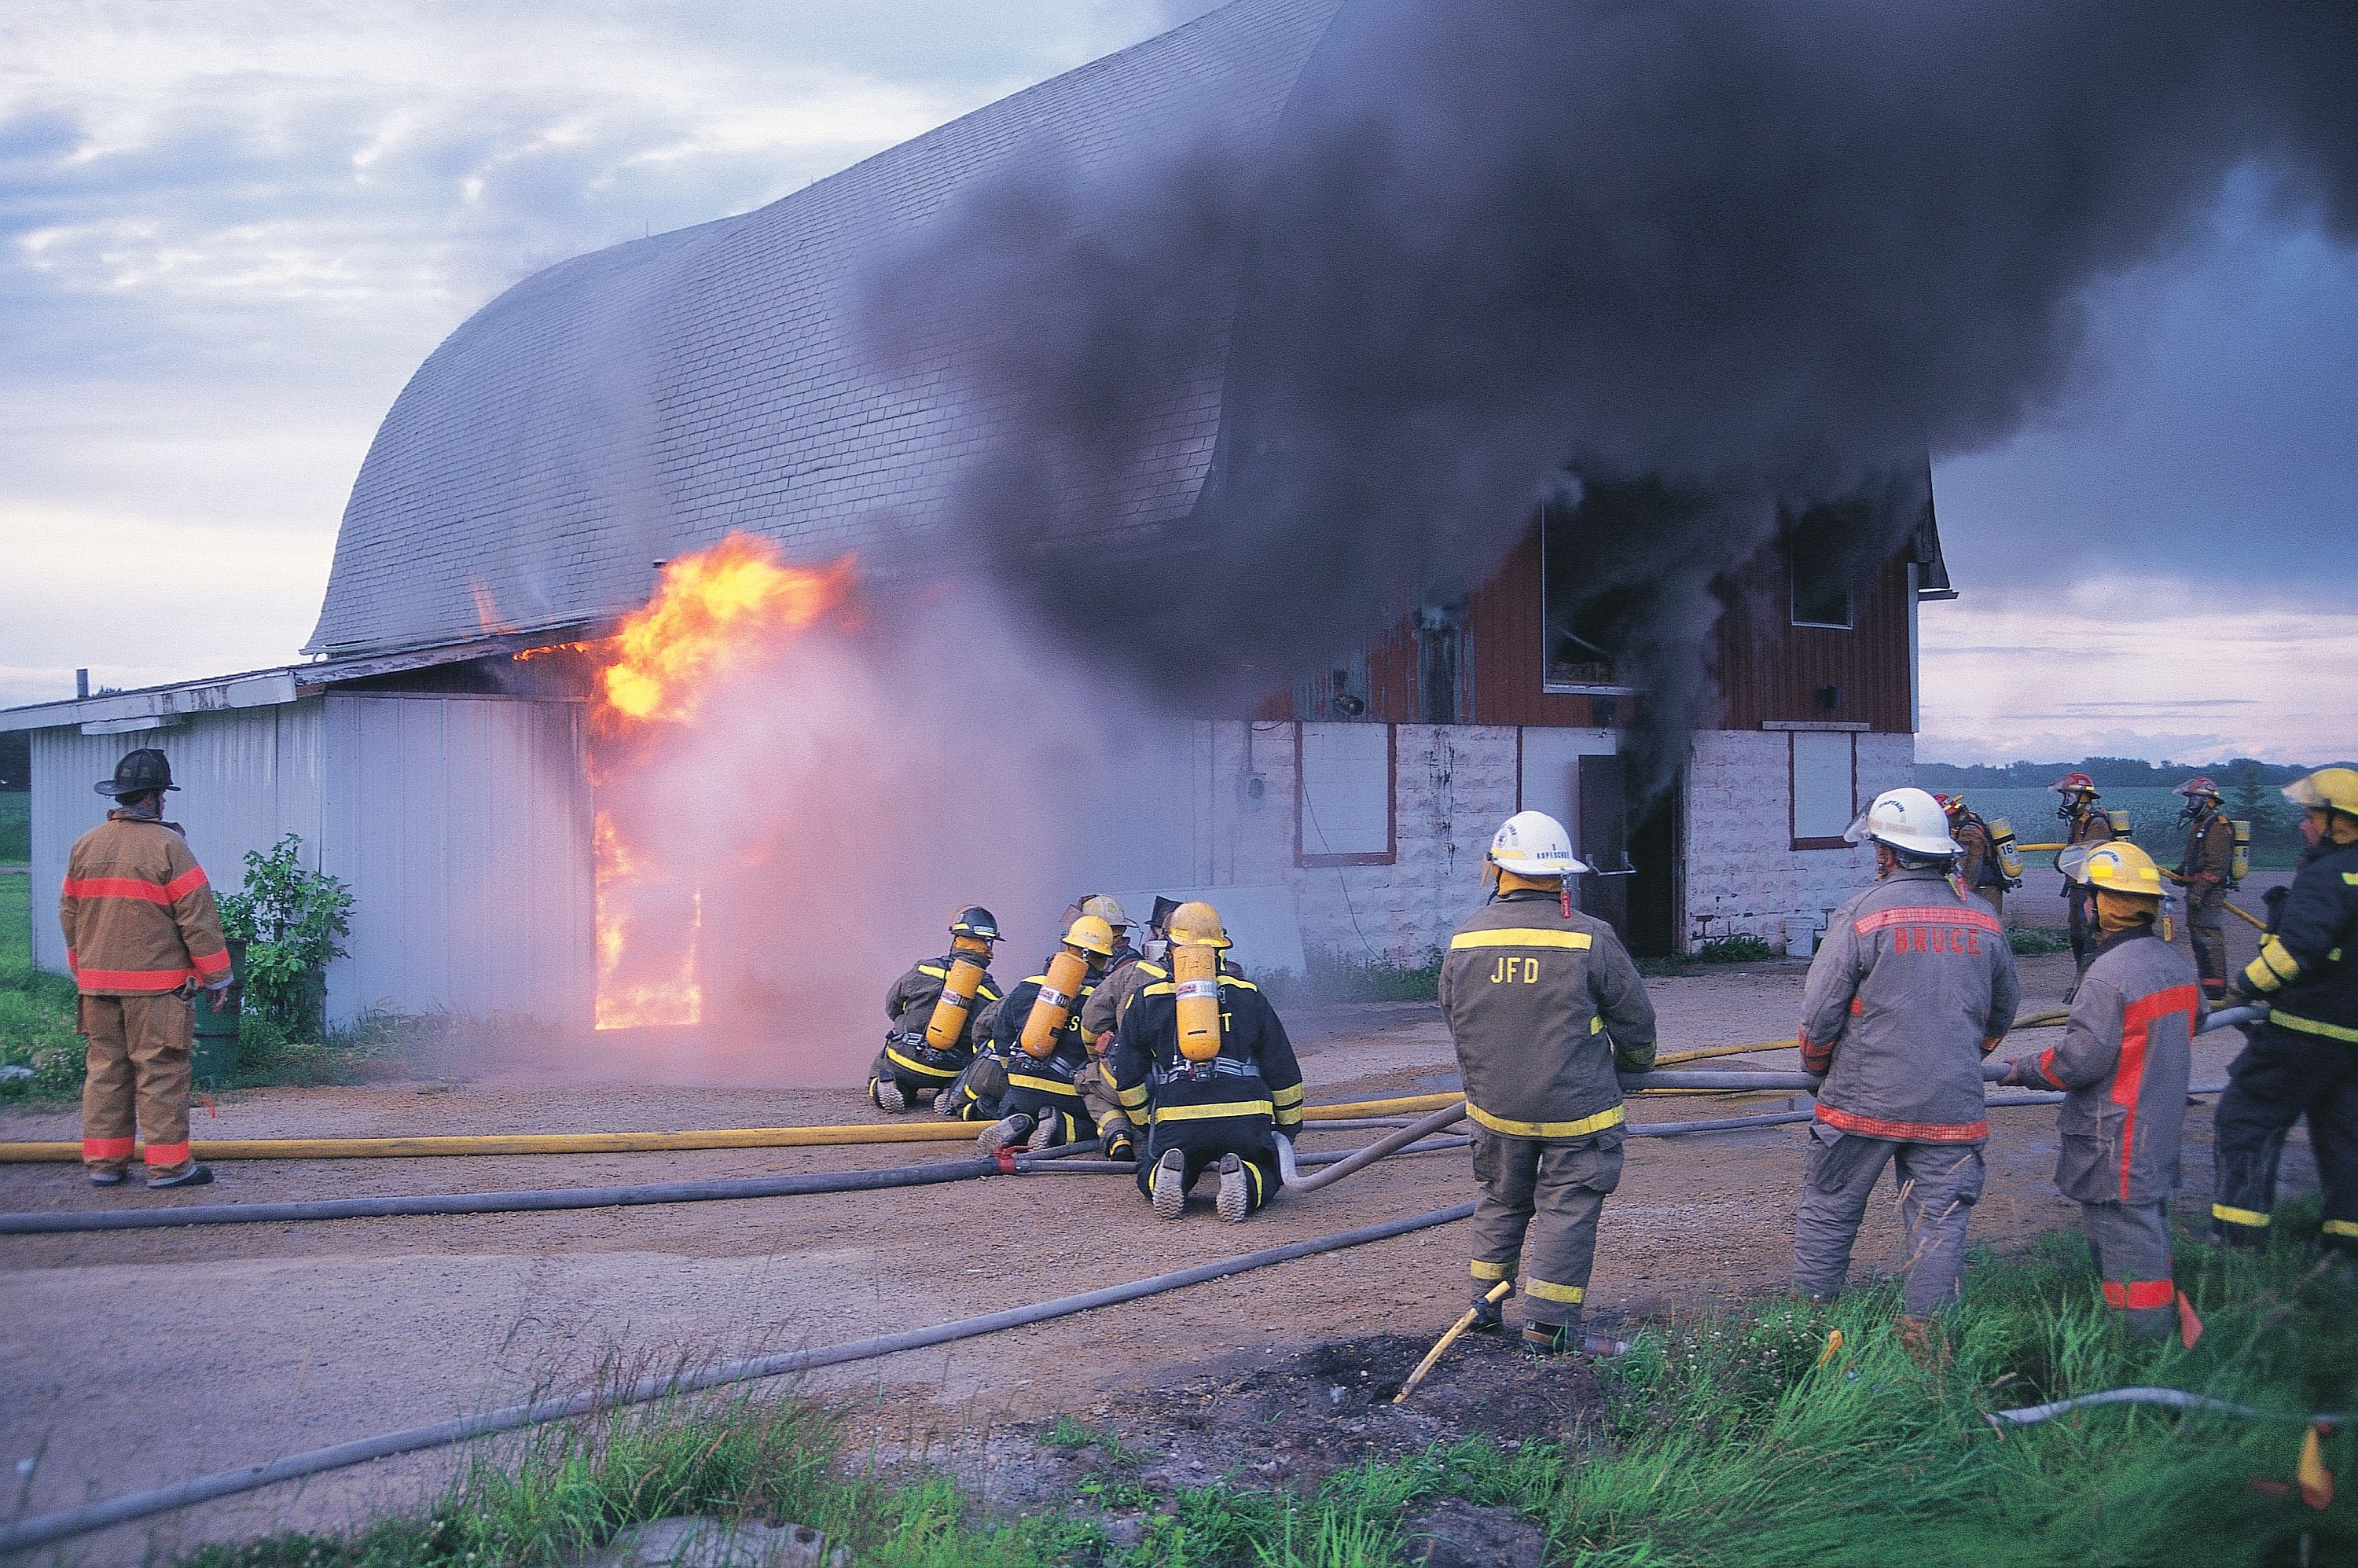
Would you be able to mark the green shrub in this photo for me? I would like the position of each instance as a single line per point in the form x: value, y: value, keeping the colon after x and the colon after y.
x: 290, y: 920
x: 2033, y: 940
x: 1735, y: 949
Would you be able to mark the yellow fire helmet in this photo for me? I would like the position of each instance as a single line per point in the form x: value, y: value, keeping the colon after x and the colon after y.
x: 2114, y: 866
x: 1091, y: 934
x: 1197, y: 924
x: 2328, y: 789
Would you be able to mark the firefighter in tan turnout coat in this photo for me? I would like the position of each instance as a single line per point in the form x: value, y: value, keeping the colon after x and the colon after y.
x: 142, y: 938
x: 1914, y: 986
x: 1545, y: 1005
x: 2125, y: 1061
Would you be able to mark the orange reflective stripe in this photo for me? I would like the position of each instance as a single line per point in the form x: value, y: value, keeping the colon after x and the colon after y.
x: 123, y: 887
x: 185, y: 883
x: 107, y: 1148
x: 1903, y: 1132
x: 2140, y: 1295
x: 169, y: 1154
x: 135, y: 980
x: 211, y: 964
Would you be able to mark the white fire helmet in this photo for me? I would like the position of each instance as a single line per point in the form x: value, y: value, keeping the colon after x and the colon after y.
x: 1533, y: 844
x: 1908, y: 821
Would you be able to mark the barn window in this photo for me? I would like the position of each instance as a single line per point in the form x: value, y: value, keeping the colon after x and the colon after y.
x: 1824, y: 776
x: 1343, y: 794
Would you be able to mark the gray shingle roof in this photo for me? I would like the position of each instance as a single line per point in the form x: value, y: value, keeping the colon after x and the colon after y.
x: 640, y: 401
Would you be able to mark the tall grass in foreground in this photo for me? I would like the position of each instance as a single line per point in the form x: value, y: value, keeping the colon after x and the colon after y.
x: 1724, y: 1441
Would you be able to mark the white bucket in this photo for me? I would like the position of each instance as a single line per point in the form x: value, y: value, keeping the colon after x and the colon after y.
x: 1800, y: 936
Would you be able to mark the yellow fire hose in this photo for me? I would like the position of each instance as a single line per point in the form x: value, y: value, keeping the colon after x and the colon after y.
x: 1432, y: 1357
x: 446, y: 1145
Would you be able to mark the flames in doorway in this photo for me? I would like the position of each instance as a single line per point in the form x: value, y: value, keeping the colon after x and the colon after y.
x: 714, y: 614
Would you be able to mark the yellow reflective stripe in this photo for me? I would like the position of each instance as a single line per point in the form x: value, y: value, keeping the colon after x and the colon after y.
x: 936, y: 970
x: 1242, y: 985
x: 1519, y: 936
x: 1548, y: 1292
x: 987, y: 991
x: 1259, y: 1195
x: 1163, y: 989
x: 2312, y: 1026
x: 1586, y: 1125
x: 2262, y: 979
x: 1483, y: 1270
x: 2342, y: 1227
x: 1597, y: 1026
x: 1137, y: 1118
x: 2350, y: 877
x: 1132, y: 1096
x: 1045, y: 1085
x: 919, y: 1067
x: 1213, y: 1112
x: 1286, y: 1097
x: 2251, y: 1217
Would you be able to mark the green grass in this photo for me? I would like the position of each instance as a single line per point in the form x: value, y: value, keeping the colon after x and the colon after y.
x: 1724, y: 1440
x: 15, y: 828
x: 37, y: 1028
x: 1335, y: 977
x: 1735, y: 949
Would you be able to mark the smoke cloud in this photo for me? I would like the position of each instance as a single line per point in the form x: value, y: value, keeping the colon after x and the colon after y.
x: 1751, y: 261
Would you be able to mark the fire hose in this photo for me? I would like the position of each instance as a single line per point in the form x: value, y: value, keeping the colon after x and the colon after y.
x: 2176, y: 1399
x: 65, y: 1523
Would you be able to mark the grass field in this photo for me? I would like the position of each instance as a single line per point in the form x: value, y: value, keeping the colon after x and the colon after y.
x: 1730, y: 1437
x: 15, y: 828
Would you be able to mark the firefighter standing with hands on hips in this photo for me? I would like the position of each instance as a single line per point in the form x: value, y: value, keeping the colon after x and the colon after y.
x: 932, y: 1009
x: 1545, y: 1006
x: 1203, y: 1069
x: 2204, y: 870
x: 142, y: 938
x: 1914, y: 985
x: 2303, y: 1059
x: 2123, y: 1064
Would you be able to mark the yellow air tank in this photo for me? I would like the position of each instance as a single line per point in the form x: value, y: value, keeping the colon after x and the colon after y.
x: 2239, y: 864
x: 1066, y: 970
x: 957, y: 1000
x: 2118, y: 816
x: 2008, y: 852
x: 1195, y: 977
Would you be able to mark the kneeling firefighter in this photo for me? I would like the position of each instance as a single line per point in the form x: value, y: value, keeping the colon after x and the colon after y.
x: 1038, y: 1035
x: 1545, y: 1006
x: 1202, y: 1064
x: 1124, y: 978
x: 932, y: 1008
x: 2124, y: 1063
x: 2303, y: 1060
x: 1913, y: 987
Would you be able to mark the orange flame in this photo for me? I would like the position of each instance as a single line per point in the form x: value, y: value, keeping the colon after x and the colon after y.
x: 712, y: 612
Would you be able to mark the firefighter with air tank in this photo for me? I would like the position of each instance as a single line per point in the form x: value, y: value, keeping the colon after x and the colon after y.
x: 2303, y: 1059
x: 142, y: 938
x: 2083, y: 823
x: 1102, y: 1014
x: 1988, y: 866
x: 2205, y: 870
x: 2124, y: 1063
x: 1203, y: 1069
x: 1545, y: 1006
x: 932, y: 1036
x: 1038, y: 1038
x: 1913, y: 986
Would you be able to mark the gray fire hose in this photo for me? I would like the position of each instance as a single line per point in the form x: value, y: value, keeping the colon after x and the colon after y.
x: 43, y: 1528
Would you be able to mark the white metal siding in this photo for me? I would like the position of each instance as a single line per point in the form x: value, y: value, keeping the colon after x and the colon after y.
x: 462, y: 824
x: 246, y: 777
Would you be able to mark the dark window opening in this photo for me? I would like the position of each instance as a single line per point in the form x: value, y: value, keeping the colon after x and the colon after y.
x: 1597, y: 593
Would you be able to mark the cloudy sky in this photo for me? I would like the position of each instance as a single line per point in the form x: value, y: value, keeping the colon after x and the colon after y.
x: 230, y: 229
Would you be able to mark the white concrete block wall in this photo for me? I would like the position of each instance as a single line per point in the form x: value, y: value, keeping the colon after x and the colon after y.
x: 1743, y: 876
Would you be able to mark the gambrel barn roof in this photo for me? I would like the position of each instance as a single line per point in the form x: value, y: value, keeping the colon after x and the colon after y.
x: 640, y: 401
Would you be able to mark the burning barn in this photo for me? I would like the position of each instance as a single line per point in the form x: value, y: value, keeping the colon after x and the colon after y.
x: 728, y: 594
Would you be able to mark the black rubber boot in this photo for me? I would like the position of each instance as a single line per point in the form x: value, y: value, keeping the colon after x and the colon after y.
x: 195, y: 1175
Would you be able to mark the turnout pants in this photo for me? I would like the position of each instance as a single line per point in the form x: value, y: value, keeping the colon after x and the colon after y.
x: 2206, y: 932
x: 1938, y: 1184
x: 1066, y: 1115
x: 2282, y: 1076
x: 1537, y: 1210
x: 1203, y: 1140
x: 137, y: 1069
x: 2131, y: 1245
x: 2082, y: 921
x: 1105, y: 1112
x: 918, y: 1068
x: 975, y: 1095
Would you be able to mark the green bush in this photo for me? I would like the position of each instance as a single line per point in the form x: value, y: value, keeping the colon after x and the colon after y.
x: 1735, y: 949
x: 2033, y: 940
x: 290, y: 920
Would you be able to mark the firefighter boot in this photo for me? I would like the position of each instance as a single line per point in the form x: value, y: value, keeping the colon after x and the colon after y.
x: 101, y: 1176
x: 1236, y: 1198
x: 1489, y: 1316
x: 1545, y: 1341
x: 1007, y: 1132
x: 1170, y: 1184
x: 1120, y: 1145
x: 195, y: 1175
x: 885, y: 1092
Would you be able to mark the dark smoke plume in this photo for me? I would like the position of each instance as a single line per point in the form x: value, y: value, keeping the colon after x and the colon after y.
x: 1751, y: 259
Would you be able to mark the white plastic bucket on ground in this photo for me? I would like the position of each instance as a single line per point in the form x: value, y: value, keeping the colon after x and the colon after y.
x: 1800, y: 936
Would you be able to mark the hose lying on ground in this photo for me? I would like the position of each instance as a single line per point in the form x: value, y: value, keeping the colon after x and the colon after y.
x: 43, y: 1528
x: 2178, y: 1399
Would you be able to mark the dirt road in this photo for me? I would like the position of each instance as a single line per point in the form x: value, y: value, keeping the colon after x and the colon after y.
x: 131, y: 1359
